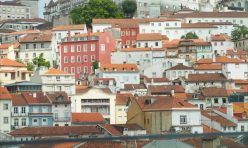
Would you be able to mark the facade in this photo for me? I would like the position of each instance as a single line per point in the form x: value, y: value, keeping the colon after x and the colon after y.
x: 5, y: 108
x: 121, y: 108
x: 100, y: 100
x: 177, y: 71
x: 221, y: 43
x: 14, y: 10
x: 173, y: 117
x: 150, y: 40
x: 122, y: 73
x: 23, y: 86
x: 93, y: 47
x: 8, y: 51
x: 12, y: 71
x: 208, y: 68
x: 33, y: 45
x: 242, y: 43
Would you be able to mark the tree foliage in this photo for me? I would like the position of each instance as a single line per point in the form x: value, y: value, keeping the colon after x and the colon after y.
x: 30, y: 66
x: 239, y: 32
x: 96, y: 65
x: 129, y: 7
x: 190, y: 35
x: 41, y: 61
x: 95, y: 9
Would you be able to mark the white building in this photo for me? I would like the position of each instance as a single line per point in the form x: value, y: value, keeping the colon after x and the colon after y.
x: 208, y: 68
x: 33, y: 45
x: 122, y: 73
x: 5, y: 109
x: 100, y: 100
x: 13, y: 10
x: 150, y: 40
x: 177, y: 71
x: 236, y: 70
x: 221, y: 43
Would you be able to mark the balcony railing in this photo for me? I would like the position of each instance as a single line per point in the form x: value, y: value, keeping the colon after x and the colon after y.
x: 62, y: 119
x: 19, y: 114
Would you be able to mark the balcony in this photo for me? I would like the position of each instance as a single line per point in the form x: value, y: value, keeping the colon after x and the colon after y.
x: 19, y: 114
x: 61, y: 119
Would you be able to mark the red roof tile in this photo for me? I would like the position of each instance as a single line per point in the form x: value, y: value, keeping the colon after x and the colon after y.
x: 214, y: 92
x: 18, y: 100
x: 117, y: 129
x: 11, y: 63
x: 210, y: 77
x: 69, y: 27
x: 220, y: 59
x: 220, y: 37
x: 149, y: 37
x: 4, y: 94
x: 54, y: 71
x: 36, y: 98
x: 208, y: 67
x: 38, y: 37
x: 87, y: 118
x: 180, y: 66
x: 119, y: 67
x: 165, y: 89
x: 122, y: 99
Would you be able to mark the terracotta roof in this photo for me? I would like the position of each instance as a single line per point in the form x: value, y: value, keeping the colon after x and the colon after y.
x: 214, y: 92
x: 87, y: 118
x: 24, y: 32
x: 4, y: 94
x: 36, y: 98
x: 240, y: 82
x: 210, y: 77
x: 180, y: 66
x: 220, y: 59
x: 217, y: 118
x: 11, y: 63
x: 69, y: 27
x: 102, y: 144
x: 211, y: 15
x: 54, y: 71
x: 55, y: 131
x: 122, y: 99
x: 157, y: 80
x: 207, y: 129
x: 236, y: 52
x: 117, y: 129
x: 181, y: 96
x: 208, y: 67
x: 220, y: 37
x: 197, y: 25
x: 4, y: 46
x: 58, y: 97
x: 88, y: 34
x: 149, y: 37
x: 131, y: 49
x: 36, y: 37
x: 155, y: 103
x: 119, y: 67
x: 165, y: 89
x: 130, y: 87
x: 18, y: 100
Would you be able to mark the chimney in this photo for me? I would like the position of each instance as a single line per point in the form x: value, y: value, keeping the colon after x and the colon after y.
x: 34, y: 94
x: 229, y: 109
x: 69, y: 35
x: 214, y: 58
x: 172, y: 92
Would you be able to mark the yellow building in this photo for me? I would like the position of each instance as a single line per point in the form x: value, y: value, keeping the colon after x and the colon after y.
x: 121, y: 108
x: 161, y: 114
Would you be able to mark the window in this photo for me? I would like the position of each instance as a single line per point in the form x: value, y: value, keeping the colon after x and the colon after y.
x: 65, y: 59
x: 34, y: 46
x: 119, y: 109
x: 102, y: 47
x: 216, y: 100
x: 85, y: 69
x: 72, y: 70
x: 92, y: 47
x: 27, y: 46
x: 133, y: 33
x: 127, y: 33
x: 215, y: 43
x: 183, y: 119
x: 78, y: 48
x: 72, y: 59
x: 123, y: 33
x: 156, y: 43
x: 24, y: 123
x: 57, y: 78
x: 72, y: 49
x: 66, y: 69
x: 92, y: 58
x: 79, y: 70
x: 15, y: 110
x: 42, y: 45
x: 224, y: 100
x: 35, y: 120
x: 85, y: 47
x: 85, y: 58
x: 78, y: 58
x: 65, y: 49
x: 242, y: 128
x: 16, y: 122
x: 6, y: 120
x: 152, y: 24
x: 236, y: 65
x: 5, y: 106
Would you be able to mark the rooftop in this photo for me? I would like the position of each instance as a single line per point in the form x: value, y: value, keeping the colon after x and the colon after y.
x: 11, y: 63
x: 211, y: 77
x: 220, y: 37
x: 4, y: 94
x: 119, y: 67
x: 36, y: 37
x: 69, y: 27
x: 180, y: 66
x: 122, y: 99
x: 149, y: 37
x: 54, y: 71
x: 214, y: 92
x: 87, y: 118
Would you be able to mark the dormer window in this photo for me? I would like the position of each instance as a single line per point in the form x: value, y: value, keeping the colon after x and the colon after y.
x: 59, y: 98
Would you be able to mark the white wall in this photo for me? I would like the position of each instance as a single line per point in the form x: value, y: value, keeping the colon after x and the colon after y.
x: 5, y: 127
x: 222, y: 46
x: 235, y: 70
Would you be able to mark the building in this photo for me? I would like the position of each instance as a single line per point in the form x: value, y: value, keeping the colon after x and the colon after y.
x: 34, y: 7
x: 12, y: 71
x: 61, y: 108
x: 8, y: 51
x: 101, y: 100
x: 177, y: 71
x: 221, y: 43
x: 122, y: 73
x: 33, y: 45
x: 161, y: 114
x: 5, y: 108
x: 150, y: 40
x: 14, y: 10
x: 242, y: 43
x: 80, y: 52
x: 24, y: 86
x: 208, y: 68
x: 121, y: 107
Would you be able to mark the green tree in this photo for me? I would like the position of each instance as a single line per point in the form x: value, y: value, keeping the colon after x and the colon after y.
x: 95, y: 9
x: 190, y: 35
x: 129, y: 7
x: 239, y: 32
x: 95, y: 65
x: 40, y: 61
x: 30, y: 66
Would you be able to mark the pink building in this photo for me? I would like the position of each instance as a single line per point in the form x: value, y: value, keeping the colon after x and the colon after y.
x: 79, y: 52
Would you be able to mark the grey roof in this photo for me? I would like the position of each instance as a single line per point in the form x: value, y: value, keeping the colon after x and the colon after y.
x: 23, y: 83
